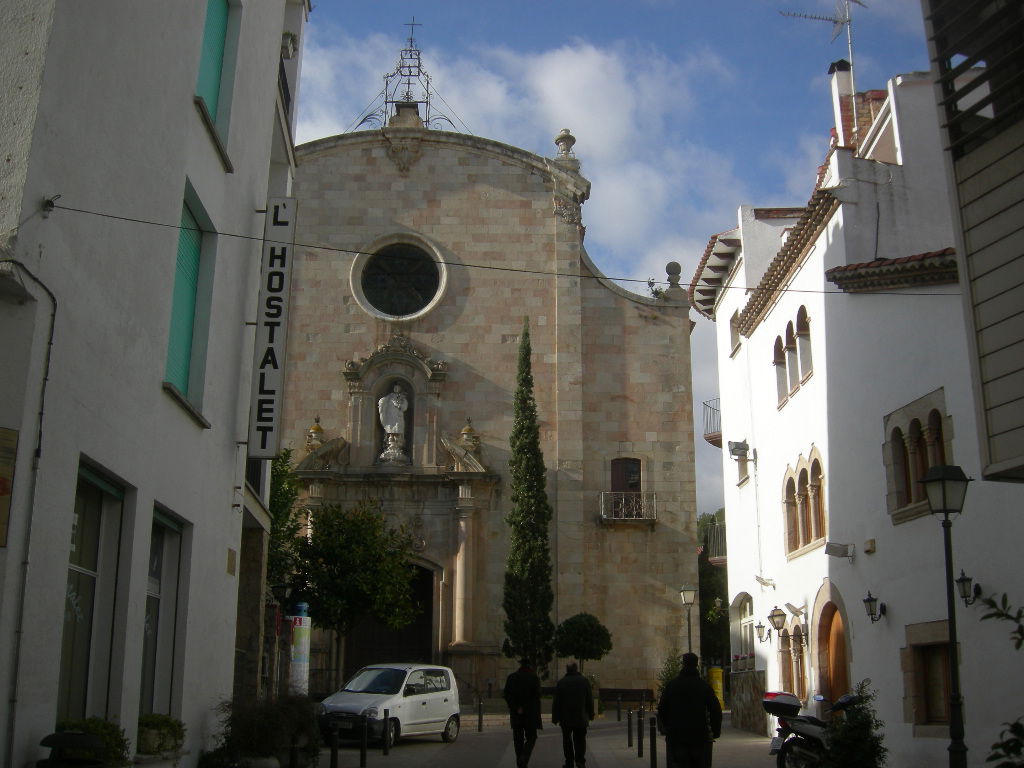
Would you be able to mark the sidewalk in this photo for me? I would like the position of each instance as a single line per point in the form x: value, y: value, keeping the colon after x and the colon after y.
x: 492, y: 748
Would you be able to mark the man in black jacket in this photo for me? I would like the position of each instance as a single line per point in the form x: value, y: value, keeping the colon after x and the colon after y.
x: 522, y: 694
x: 690, y: 717
x: 573, y: 709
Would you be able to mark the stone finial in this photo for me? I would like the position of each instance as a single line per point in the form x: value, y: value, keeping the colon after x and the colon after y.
x: 468, y: 437
x: 673, y: 270
x: 565, y: 141
x: 314, y: 436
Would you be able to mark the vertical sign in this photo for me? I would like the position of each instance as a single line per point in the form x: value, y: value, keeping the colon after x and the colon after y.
x: 271, y: 328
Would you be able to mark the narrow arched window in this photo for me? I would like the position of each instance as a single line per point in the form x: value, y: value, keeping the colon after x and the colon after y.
x: 792, y: 364
x: 936, y: 443
x: 785, y: 662
x: 900, y: 468
x: 779, y: 361
x: 803, y: 497
x: 816, y: 490
x: 917, y: 449
x: 792, y: 520
x: 803, y: 343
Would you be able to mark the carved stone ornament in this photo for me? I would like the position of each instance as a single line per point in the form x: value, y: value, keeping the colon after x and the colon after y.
x: 404, y: 153
x: 568, y: 210
x: 332, y: 455
x: 398, y: 345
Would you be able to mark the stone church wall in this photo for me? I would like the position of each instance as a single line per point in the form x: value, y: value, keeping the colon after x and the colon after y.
x: 611, y: 373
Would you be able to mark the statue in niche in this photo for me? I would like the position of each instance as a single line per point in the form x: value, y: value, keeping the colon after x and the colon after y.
x: 392, y: 408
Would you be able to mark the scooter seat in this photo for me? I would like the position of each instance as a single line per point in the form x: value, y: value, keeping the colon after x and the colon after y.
x: 815, y: 721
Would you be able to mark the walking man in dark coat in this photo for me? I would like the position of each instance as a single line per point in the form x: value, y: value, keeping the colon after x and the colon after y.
x: 690, y: 717
x: 573, y: 709
x: 522, y: 694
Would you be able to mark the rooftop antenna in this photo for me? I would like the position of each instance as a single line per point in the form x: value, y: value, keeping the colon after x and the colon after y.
x: 839, y: 19
x: 407, y: 83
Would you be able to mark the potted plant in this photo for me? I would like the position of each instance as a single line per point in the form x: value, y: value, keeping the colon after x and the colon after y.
x: 159, y: 733
x: 261, y: 732
x: 114, y: 749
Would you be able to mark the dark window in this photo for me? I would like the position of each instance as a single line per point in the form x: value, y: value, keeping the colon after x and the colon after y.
x: 400, y: 279
x: 626, y: 475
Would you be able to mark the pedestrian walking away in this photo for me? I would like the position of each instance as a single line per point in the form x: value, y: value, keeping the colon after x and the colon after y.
x: 573, y: 709
x: 522, y: 694
x: 690, y: 718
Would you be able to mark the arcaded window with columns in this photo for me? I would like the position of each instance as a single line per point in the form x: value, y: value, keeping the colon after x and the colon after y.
x: 918, y: 436
x: 804, y: 504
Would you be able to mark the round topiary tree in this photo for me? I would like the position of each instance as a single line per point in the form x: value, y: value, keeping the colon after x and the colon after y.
x: 582, y: 637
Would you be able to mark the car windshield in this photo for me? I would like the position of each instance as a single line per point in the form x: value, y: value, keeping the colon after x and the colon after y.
x: 376, y: 680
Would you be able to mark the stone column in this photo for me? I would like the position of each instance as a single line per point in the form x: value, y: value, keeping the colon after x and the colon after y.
x: 462, y: 613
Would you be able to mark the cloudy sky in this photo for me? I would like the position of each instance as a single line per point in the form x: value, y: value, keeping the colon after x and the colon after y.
x: 683, y: 110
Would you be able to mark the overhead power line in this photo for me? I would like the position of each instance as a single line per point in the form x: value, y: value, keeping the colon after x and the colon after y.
x: 490, y: 267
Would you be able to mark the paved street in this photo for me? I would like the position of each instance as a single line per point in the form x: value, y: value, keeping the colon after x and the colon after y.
x: 492, y: 748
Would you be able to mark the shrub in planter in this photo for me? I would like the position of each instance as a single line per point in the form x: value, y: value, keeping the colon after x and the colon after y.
x: 159, y: 733
x: 265, y: 728
x: 113, y: 753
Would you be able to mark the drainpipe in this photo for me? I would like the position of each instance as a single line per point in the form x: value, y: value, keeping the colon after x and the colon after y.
x: 12, y: 702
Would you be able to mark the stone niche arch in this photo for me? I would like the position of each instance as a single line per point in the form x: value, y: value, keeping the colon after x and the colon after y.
x: 400, y: 362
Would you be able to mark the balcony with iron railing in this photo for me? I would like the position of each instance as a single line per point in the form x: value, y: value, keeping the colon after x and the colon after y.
x: 713, y: 422
x: 715, y: 542
x: 628, y: 507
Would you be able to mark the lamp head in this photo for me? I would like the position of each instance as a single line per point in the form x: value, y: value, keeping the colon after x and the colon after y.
x: 777, y: 617
x: 687, y: 594
x: 946, y: 487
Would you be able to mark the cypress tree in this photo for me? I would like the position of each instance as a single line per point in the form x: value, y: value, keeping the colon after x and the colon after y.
x: 528, y: 596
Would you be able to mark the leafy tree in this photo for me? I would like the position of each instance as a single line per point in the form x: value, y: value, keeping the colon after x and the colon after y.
x: 855, y: 739
x: 353, y: 564
x: 1010, y: 747
x: 670, y: 669
x: 714, y: 616
x: 285, y: 520
x: 528, y: 596
x: 582, y: 637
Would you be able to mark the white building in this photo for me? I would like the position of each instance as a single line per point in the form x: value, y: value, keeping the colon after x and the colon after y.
x: 843, y: 375
x: 131, y: 540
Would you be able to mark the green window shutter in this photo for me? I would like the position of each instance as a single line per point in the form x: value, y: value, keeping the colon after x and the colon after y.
x: 212, y: 61
x: 183, y: 304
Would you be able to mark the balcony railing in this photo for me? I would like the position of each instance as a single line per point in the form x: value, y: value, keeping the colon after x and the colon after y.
x: 627, y: 506
x: 713, y: 422
x: 715, y: 542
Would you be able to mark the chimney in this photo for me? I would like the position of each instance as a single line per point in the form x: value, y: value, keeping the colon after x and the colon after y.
x: 842, y: 102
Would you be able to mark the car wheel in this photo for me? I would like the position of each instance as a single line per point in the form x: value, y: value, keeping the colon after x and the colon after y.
x: 391, y: 733
x: 451, y: 729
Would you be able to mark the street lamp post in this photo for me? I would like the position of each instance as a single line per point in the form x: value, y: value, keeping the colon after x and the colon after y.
x: 946, y: 487
x: 688, y: 595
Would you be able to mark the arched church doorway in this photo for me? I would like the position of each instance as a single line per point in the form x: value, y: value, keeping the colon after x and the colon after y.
x: 834, y: 666
x: 372, y: 642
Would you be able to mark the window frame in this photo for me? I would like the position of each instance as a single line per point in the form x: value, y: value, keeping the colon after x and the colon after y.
x: 917, y: 436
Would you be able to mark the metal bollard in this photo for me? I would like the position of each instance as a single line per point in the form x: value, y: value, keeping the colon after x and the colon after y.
x: 641, y: 718
x: 629, y: 727
x: 654, y: 742
x: 618, y: 709
x: 480, y: 715
x: 387, y: 729
x: 363, y: 739
x: 333, y: 725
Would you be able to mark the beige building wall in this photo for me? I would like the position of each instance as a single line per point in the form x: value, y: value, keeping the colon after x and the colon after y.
x: 611, y: 373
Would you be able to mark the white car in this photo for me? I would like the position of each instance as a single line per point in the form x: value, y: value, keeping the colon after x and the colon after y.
x: 420, y: 699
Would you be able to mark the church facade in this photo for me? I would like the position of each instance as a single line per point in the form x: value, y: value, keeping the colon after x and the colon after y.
x: 420, y: 254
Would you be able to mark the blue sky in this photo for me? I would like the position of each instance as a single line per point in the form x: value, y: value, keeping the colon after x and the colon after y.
x: 683, y: 110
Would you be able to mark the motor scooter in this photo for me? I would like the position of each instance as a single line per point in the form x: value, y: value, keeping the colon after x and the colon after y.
x: 803, y: 740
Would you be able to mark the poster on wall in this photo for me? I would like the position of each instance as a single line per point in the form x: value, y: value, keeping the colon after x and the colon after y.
x: 8, y: 453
